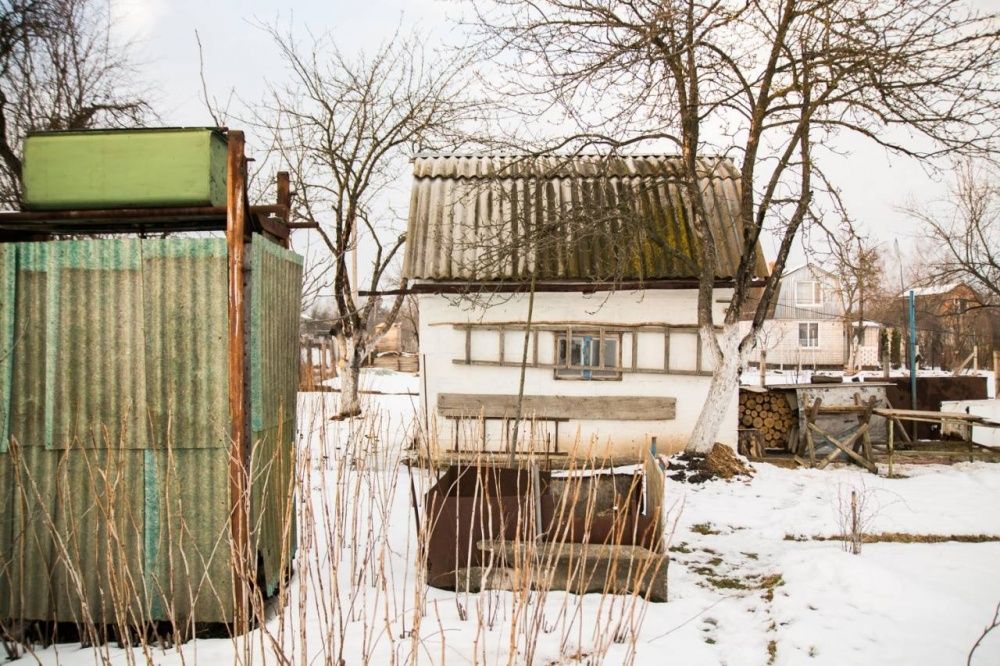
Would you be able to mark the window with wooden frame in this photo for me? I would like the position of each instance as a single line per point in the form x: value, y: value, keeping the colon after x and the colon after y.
x: 588, y: 355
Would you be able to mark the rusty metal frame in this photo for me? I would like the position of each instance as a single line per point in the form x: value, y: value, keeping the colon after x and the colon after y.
x: 236, y: 239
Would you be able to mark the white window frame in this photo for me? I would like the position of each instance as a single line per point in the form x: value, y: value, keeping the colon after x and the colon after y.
x: 808, y: 324
x: 817, y: 292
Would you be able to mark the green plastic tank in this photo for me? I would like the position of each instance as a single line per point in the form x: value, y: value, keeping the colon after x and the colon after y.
x: 133, y: 168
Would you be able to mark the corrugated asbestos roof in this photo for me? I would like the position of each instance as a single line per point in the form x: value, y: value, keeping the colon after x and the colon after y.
x: 483, y: 218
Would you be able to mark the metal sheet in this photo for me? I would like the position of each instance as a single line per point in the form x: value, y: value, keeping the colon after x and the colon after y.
x: 27, y: 406
x: 99, y: 519
x: 124, y: 168
x: 276, y: 279
x: 190, y: 575
x: 126, y: 340
x: 186, y: 342
x: 584, y: 217
x: 95, y: 373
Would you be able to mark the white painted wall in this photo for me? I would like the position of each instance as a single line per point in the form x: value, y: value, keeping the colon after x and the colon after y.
x: 441, y: 343
x: 989, y: 409
x: 781, y: 338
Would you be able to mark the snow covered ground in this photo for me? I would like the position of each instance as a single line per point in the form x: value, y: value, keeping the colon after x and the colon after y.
x: 747, y: 584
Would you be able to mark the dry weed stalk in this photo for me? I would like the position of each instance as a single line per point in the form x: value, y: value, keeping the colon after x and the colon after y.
x: 356, y: 589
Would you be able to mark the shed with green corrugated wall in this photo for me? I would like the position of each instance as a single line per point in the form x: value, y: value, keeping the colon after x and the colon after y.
x: 114, y: 455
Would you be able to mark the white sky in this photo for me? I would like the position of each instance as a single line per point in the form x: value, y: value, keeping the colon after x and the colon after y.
x: 240, y: 58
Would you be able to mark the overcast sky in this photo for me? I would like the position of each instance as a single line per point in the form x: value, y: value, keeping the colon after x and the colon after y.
x: 240, y: 58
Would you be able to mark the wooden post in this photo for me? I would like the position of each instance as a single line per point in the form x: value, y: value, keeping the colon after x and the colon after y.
x: 811, y: 420
x: 236, y: 229
x: 763, y: 367
x: 891, y: 423
x: 285, y: 200
x: 996, y: 371
x: 666, y: 350
x: 975, y: 357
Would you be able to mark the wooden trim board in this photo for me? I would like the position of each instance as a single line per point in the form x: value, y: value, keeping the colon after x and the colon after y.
x: 589, y: 408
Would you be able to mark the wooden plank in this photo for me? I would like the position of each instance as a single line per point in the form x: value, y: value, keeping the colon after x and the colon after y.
x: 911, y: 414
x: 635, y: 349
x: 468, y: 346
x: 666, y: 351
x: 594, y: 408
x: 845, y: 446
x: 569, y: 347
x: 616, y: 326
x: 559, y: 366
x: 534, y: 348
x: 697, y: 364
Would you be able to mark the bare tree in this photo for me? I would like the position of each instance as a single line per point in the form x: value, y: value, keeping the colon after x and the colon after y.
x: 346, y: 126
x: 772, y: 83
x: 60, y: 69
x: 966, y: 229
x: 855, y: 260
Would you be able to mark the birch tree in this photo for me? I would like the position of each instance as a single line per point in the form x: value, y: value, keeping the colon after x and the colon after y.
x: 346, y: 126
x: 774, y: 84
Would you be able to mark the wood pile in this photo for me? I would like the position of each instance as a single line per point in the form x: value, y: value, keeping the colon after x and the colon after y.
x: 769, y: 416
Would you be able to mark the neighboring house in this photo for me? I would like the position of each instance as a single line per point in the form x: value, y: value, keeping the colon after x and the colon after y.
x: 808, y: 327
x: 613, y: 356
x: 951, y: 323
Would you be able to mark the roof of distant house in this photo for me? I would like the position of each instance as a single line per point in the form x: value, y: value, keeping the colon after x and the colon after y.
x: 506, y: 217
x: 933, y: 290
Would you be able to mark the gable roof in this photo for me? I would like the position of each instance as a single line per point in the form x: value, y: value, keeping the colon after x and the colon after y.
x: 503, y: 217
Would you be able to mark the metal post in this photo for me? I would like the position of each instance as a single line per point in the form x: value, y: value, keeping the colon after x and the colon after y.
x: 238, y: 460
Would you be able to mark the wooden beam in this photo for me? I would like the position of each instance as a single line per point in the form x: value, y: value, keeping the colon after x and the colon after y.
x: 594, y: 408
x: 236, y: 228
x: 553, y: 286
x: 560, y: 366
x: 610, y: 326
x: 666, y: 351
x: 697, y: 365
x: 845, y: 446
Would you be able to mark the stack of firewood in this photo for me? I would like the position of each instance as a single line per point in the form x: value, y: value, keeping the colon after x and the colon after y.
x: 769, y: 414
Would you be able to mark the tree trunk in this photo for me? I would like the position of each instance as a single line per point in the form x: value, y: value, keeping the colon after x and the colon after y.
x: 721, y: 391
x: 352, y: 355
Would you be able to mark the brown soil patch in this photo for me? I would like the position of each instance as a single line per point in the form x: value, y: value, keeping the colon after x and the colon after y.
x: 719, y: 463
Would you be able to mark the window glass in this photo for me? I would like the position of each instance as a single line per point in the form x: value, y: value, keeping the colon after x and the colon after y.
x: 808, y: 293
x: 585, y: 356
x: 809, y: 334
